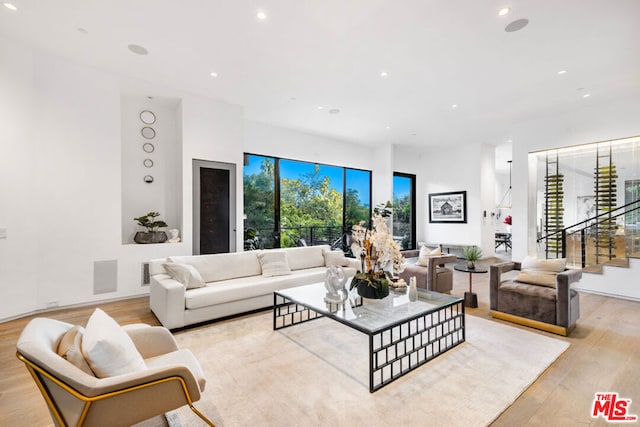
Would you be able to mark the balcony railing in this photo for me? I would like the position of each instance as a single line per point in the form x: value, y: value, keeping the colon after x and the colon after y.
x: 266, y: 238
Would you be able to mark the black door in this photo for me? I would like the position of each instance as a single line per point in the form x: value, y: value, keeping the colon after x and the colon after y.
x: 214, y: 210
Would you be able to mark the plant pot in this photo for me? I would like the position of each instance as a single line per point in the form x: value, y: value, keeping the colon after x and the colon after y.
x: 150, y: 237
x: 365, y: 290
x: 471, y: 265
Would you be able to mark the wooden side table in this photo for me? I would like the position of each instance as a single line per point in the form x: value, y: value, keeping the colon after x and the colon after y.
x: 470, y: 298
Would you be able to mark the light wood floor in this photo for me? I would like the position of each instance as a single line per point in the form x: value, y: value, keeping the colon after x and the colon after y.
x: 604, y: 356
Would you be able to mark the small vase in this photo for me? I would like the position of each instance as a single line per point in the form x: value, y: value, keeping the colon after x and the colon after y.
x: 365, y: 290
x: 150, y: 237
x: 413, y: 289
x: 471, y: 265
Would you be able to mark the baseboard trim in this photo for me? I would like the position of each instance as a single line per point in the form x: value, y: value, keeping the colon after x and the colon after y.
x: 554, y: 329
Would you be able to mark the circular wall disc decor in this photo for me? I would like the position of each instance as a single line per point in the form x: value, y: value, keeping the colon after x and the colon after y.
x: 148, y: 179
x: 148, y: 117
x: 148, y: 147
x: 148, y: 132
x: 148, y: 163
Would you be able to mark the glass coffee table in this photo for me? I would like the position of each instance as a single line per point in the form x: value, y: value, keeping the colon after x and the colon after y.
x: 403, y: 334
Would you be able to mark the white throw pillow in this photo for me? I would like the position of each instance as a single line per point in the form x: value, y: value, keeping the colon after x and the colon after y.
x: 542, y: 278
x: 108, y: 348
x: 425, y: 253
x: 70, y: 348
x: 557, y: 265
x: 541, y: 272
x: 274, y: 263
x: 335, y: 259
x: 186, y: 274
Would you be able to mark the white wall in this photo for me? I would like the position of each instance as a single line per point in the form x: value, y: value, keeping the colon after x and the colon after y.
x: 471, y: 169
x: 163, y: 194
x: 260, y: 138
x: 591, y: 123
x: 60, y: 177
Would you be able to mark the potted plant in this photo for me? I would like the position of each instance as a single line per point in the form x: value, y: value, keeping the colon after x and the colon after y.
x: 152, y: 235
x: 378, y: 253
x: 472, y: 254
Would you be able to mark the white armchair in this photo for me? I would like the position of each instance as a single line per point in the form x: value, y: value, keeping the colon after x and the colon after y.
x: 173, y: 378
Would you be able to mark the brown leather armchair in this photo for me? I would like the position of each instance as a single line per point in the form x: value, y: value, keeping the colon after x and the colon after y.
x: 434, y: 277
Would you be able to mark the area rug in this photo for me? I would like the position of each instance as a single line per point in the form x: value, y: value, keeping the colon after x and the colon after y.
x: 316, y: 374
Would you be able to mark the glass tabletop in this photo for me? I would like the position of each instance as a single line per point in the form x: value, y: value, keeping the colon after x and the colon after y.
x: 367, y: 315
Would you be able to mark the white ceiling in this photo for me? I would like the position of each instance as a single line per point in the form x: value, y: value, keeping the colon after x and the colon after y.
x: 330, y: 53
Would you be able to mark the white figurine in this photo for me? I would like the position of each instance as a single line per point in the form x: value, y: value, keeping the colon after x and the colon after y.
x: 173, y: 236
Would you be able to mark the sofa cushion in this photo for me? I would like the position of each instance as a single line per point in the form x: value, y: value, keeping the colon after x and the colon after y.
x: 529, y: 301
x: 425, y: 254
x: 306, y: 256
x: 532, y: 277
x: 425, y: 251
x: 108, y: 348
x: 250, y: 287
x: 273, y: 263
x: 186, y: 274
x: 215, y: 267
x: 557, y: 265
x: 70, y: 348
x: 541, y: 272
x: 335, y: 259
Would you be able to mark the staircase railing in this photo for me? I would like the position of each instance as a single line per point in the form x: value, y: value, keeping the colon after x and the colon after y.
x: 583, y: 230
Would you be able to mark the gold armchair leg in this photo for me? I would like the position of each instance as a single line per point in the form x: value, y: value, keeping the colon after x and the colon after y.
x: 201, y: 415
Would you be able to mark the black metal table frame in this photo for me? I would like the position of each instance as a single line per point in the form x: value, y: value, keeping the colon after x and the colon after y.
x: 396, y: 349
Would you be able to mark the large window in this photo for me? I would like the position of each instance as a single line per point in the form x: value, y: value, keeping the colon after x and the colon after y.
x: 404, y: 212
x: 292, y: 203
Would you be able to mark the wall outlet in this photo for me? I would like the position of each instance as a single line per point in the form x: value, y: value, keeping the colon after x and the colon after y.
x: 53, y: 304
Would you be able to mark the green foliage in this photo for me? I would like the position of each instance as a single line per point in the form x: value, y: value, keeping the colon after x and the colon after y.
x: 402, y: 220
x: 259, y: 196
x: 356, y: 211
x: 149, y: 222
x: 379, y: 280
x: 383, y: 209
x: 472, y: 253
x: 308, y: 201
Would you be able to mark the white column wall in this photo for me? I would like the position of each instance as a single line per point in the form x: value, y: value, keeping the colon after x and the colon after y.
x: 60, y: 178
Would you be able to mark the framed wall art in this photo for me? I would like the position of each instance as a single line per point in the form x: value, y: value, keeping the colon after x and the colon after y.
x: 448, y: 207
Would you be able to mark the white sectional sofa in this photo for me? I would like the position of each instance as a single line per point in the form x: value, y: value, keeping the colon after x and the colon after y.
x: 186, y: 290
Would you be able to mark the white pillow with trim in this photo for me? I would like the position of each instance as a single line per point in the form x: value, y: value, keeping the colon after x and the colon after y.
x: 186, y: 274
x: 425, y: 254
x: 335, y: 259
x: 108, y: 348
x: 274, y: 263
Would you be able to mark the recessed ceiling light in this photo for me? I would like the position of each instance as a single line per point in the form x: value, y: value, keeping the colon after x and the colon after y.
x: 10, y: 6
x: 82, y: 31
x: 137, y: 49
x: 334, y: 111
x: 586, y: 95
x: 516, y: 25
x: 213, y: 74
x: 261, y: 15
x: 561, y: 72
x: 292, y: 98
x: 388, y: 127
x: 320, y: 107
x: 384, y: 74
x: 509, y: 141
x: 454, y: 106
x: 504, y: 11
